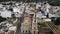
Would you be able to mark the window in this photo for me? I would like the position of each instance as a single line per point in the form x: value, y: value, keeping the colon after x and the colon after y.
x: 23, y: 31
x: 26, y: 31
x: 56, y: 8
x: 34, y: 20
x: 29, y: 30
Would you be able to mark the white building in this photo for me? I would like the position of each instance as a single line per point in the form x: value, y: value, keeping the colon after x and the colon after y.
x: 18, y: 11
x: 6, y: 14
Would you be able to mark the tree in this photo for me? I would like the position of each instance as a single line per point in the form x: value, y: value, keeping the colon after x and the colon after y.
x: 55, y: 3
x: 57, y: 21
x: 2, y: 19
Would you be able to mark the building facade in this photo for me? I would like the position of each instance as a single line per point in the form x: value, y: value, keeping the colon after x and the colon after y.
x: 26, y: 25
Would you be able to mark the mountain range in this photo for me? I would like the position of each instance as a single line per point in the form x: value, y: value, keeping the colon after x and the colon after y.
x: 30, y: 0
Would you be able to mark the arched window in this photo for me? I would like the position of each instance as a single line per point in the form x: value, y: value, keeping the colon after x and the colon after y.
x: 26, y: 31
x: 23, y: 31
x: 29, y: 32
x: 35, y: 21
